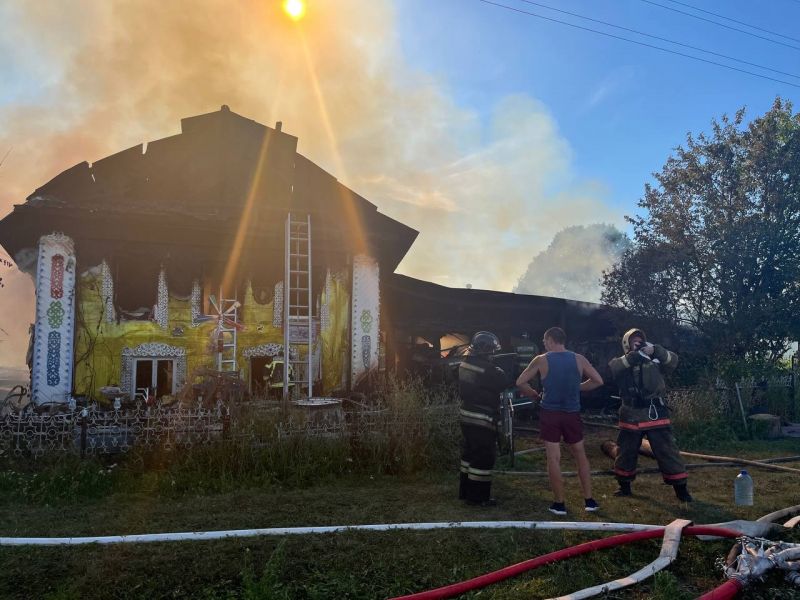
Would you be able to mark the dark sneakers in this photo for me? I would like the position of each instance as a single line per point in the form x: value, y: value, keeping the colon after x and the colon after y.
x: 683, y: 494
x: 559, y: 508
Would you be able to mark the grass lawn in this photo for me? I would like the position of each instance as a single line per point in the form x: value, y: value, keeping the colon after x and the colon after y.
x: 376, y: 565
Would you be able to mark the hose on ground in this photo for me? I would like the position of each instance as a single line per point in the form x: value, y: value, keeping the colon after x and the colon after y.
x: 481, y: 581
x: 280, y: 531
x: 780, y: 514
x: 728, y: 590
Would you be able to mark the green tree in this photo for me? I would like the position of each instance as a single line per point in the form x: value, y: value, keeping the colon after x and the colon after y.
x: 717, y: 246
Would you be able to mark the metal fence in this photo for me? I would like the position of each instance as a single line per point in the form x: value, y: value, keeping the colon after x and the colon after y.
x: 94, y: 431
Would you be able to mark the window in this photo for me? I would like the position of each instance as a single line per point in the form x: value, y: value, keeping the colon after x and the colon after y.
x: 156, y: 374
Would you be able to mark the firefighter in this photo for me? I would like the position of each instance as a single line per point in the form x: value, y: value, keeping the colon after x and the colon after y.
x: 273, y: 377
x: 480, y: 384
x: 640, y: 376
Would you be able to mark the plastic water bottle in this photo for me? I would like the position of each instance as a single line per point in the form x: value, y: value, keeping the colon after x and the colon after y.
x: 743, y: 489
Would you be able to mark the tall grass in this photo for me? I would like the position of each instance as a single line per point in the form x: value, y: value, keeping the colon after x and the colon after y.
x: 402, y: 428
x: 65, y: 478
x: 712, y: 418
x: 703, y: 418
x: 697, y: 405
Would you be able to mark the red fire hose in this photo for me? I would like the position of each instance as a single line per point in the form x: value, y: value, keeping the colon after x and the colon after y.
x: 726, y: 591
x: 481, y: 581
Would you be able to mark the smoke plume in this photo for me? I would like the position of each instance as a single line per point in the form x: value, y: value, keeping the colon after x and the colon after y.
x: 573, y: 264
x: 87, y: 79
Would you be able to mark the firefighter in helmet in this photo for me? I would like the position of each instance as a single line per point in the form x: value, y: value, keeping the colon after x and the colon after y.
x: 480, y: 384
x: 273, y: 376
x: 639, y: 372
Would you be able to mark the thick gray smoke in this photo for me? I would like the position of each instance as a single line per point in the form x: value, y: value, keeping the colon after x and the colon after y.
x: 573, y: 264
x: 90, y: 78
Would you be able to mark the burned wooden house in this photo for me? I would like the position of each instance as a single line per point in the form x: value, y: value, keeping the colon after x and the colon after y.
x: 219, y: 247
x: 222, y: 248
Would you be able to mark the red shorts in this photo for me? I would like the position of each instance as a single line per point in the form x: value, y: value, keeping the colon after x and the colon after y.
x: 555, y: 424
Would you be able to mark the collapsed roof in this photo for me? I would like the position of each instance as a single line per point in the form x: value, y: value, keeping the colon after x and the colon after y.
x: 188, y: 195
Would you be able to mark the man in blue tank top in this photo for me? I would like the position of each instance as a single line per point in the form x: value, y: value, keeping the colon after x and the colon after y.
x: 564, y: 375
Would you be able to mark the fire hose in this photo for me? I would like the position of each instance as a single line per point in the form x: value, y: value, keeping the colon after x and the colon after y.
x: 780, y: 514
x: 185, y: 536
x: 475, y: 583
x: 742, y: 569
x: 781, y: 555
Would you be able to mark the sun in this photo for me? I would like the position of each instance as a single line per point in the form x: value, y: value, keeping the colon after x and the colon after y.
x: 296, y: 9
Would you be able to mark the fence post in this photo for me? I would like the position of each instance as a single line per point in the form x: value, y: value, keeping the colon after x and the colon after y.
x: 226, y: 424
x: 795, y: 368
x: 84, y: 429
x: 741, y: 408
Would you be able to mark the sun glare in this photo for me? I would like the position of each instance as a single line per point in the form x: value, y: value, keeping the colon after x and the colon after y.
x: 295, y: 9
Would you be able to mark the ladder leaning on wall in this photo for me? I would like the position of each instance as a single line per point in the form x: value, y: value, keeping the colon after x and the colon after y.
x: 298, y: 332
x: 227, y: 328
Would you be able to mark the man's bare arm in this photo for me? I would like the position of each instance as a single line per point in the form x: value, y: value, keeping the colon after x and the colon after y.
x: 524, y: 378
x: 593, y: 379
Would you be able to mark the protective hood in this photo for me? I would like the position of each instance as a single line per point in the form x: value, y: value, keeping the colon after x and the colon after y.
x: 626, y: 344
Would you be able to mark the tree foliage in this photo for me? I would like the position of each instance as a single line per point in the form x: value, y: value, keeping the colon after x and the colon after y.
x: 717, y: 247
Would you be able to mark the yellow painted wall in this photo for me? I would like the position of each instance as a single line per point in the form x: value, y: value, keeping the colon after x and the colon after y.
x: 99, y: 345
x: 335, y: 337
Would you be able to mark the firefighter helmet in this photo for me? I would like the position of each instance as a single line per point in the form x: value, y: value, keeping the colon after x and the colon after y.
x: 626, y: 339
x: 484, y: 342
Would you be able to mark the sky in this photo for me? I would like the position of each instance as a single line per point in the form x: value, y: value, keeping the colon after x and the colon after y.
x: 487, y: 129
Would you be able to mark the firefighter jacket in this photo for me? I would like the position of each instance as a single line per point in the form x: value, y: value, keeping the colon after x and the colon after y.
x: 273, y: 374
x: 480, y: 384
x: 642, y: 388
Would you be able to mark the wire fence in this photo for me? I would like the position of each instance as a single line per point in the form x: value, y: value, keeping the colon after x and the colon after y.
x: 776, y: 396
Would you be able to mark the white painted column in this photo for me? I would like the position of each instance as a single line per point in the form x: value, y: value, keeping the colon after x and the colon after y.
x: 51, y: 379
x: 107, y: 291
x: 365, y: 305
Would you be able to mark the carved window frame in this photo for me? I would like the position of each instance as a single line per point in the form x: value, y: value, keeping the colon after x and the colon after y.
x: 152, y: 351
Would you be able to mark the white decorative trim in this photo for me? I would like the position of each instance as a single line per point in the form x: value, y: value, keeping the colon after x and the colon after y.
x: 197, y: 297
x: 365, y: 316
x: 161, y: 315
x: 51, y: 377
x: 325, y: 309
x: 267, y: 350
x: 298, y: 330
x: 152, y: 350
x: 107, y: 290
x: 277, y: 306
